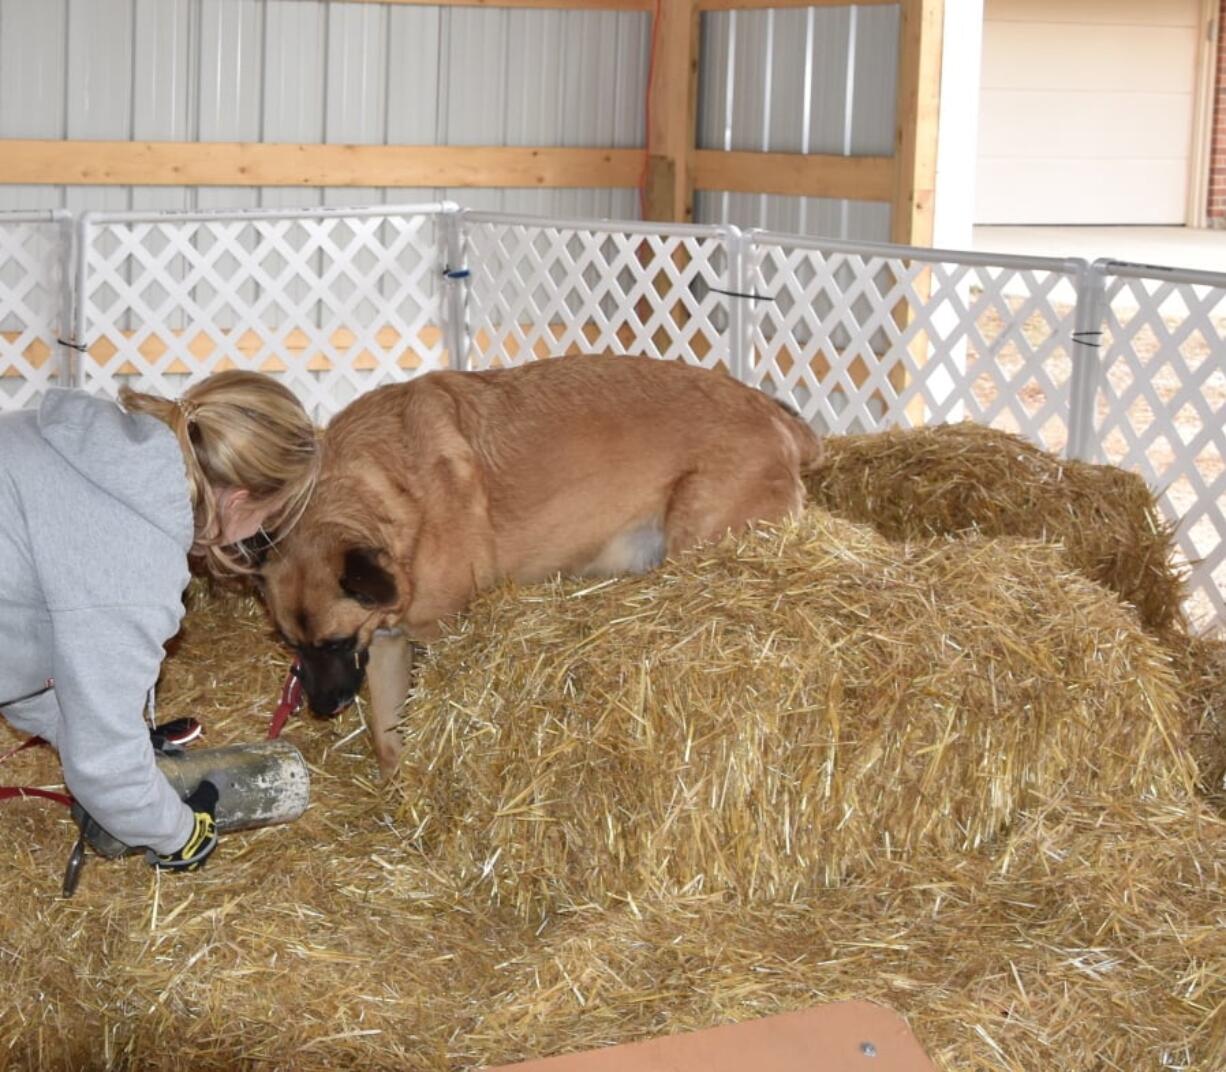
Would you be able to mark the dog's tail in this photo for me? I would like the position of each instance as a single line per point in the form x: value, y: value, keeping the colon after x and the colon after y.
x: 807, y: 441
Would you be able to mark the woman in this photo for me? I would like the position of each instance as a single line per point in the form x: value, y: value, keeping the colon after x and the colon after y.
x: 100, y: 507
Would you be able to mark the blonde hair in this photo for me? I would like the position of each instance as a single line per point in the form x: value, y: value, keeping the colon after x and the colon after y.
x: 238, y: 430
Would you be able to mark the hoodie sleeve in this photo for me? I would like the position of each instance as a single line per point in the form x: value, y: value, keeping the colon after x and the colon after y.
x: 106, y: 659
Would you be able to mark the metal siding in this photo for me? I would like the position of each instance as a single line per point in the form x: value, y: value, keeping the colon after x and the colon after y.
x: 357, y: 64
x: 475, y: 77
x: 32, y: 86
x: 295, y: 55
x: 630, y: 82
x: 164, y: 78
x: 306, y: 70
x: 30, y: 198
x: 818, y: 216
x: 357, y: 196
x: 96, y: 198
x: 32, y: 65
x: 712, y: 80
x: 291, y: 196
x: 747, y: 72
x: 777, y: 80
x: 869, y: 220
x: 828, y: 31
x: 783, y: 130
x: 876, y: 81
x: 529, y: 104
x: 413, y: 96
x: 801, y: 80
x: 160, y: 198
x: 99, y: 91
x: 223, y: 197
x: 231, y: 49
x: 588, y: 72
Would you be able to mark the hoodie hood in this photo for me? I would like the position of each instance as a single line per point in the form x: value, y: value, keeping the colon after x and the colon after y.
x: 132, y: 457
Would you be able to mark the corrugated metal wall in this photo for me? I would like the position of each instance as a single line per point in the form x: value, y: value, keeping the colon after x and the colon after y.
x: 320, y: 71
x: 799, y: 80
x: 791, y: 80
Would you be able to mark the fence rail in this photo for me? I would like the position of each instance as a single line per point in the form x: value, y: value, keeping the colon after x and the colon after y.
x: 1108, y: 361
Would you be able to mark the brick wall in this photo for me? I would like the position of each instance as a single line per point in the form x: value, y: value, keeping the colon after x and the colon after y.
x: 1217, y: 161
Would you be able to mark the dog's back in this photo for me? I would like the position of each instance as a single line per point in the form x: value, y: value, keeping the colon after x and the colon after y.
x: 576, y: 453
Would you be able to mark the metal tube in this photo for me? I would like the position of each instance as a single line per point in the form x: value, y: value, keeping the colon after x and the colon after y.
x: 258, y: 784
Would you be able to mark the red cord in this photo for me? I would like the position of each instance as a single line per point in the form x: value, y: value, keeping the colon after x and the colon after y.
x: 13, y: 792
x: 291, y: 700
x: 10, y: 792
x: 32, y: 742
x: 651, y: 74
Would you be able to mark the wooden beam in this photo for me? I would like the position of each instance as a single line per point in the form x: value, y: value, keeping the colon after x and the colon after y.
x: 158, y: 163
x: 746, y: 5
x: 858, y: 178
x: 916, y: 118
x: 570, y: 5
x: 672, y: 109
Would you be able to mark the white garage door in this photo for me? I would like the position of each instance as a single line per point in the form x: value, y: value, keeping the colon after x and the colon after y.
x: 1086, y: 111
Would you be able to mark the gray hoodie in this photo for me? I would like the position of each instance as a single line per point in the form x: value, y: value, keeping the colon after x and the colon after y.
x: 95, y: 526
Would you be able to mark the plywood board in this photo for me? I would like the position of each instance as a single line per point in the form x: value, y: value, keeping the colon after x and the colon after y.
x: 850, y: 1036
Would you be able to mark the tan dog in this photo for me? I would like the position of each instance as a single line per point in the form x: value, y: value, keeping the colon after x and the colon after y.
x: 435, y: 489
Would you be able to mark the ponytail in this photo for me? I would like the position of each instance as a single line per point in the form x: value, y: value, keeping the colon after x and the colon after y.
x: 238, y: 430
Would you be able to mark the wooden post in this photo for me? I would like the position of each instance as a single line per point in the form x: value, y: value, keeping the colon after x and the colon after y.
x: 916, y: 117
x: 673, y: 102
x: 917, y: 112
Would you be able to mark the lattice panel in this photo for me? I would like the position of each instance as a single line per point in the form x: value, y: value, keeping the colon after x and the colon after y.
x: 1161, y: 410
x: 545, y: 290
x: 33, y: 251
x: 859, y: 341
x: 857, y: 337
x: 333, y: 304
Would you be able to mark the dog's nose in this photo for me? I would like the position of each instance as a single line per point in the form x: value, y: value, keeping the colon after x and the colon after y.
x: 330, y: 706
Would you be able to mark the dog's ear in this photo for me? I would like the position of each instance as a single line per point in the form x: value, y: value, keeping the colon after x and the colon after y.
x: 365, y: 580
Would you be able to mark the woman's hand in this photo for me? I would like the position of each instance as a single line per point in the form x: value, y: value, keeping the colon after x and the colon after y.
x: 203, y: 838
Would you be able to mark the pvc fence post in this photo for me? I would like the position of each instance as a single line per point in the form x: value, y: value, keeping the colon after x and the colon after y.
x: 453, y: 301
x: 739, y: 325
x: 72, y: 343
x: 65, y: 290
x: 1086, y: 359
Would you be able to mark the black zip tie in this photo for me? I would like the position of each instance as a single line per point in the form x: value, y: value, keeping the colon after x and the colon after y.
x: 739, y: 294
x: 79, y: 347
x: 456, y: 273
x: 1095, y: 342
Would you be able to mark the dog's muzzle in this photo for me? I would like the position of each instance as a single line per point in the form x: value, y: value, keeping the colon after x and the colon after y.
x: 332, y: 675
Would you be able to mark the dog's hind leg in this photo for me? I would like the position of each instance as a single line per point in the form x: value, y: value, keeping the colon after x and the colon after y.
x: 390, y: 673
x: 706, y: 504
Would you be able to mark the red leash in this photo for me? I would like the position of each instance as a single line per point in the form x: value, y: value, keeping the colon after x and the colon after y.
x: 291, y: 700
x: 12, y: 792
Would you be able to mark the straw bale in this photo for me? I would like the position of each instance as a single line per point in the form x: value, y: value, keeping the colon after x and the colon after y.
x: 1200, y: 663
x: 1089, y: 936
x: 775, y: 713
x: 966, y: 478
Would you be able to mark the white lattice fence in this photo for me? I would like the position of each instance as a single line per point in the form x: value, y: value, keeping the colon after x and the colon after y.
x: 1117, y: 363
x: 34, y: 251
x: 1161, y: 408
x: 332, y: 302
x: 863, y: 337
x: 543, y: 289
